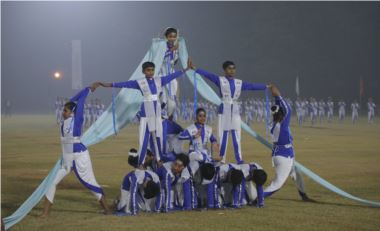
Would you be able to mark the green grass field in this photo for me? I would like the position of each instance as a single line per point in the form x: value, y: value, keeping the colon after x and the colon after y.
x: 346, y: 155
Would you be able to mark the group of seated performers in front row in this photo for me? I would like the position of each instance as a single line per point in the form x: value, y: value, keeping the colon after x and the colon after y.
x: 168, y: 178
x: 188, y: 181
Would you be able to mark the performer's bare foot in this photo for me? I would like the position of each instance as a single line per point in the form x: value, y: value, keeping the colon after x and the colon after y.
x: 43, y: 216
x: 104, y: 205
x: 306, y: 198
x: 47, y: 206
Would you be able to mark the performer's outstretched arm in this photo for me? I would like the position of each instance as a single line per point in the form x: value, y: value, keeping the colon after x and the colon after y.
x: 210, y: 76
x: 166, y: 79
x: 80, y: 99
x: 128, y: 84
x: 253, y: 86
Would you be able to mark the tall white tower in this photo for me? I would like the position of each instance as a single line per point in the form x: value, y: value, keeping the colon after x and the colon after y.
x: 76, y: 64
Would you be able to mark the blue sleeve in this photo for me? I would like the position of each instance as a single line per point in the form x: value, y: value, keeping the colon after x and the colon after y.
x: 173, y: 128
x: 185, y: 135
x: 212, y: 77
x: 83, y: 93
x: 128, y: 84
x: 166, y: 79
x: 177, y: 128
x: 126, y: 182
x: 253, y: 86
x: 213, y: 139
x: 187, y: 194
x: 287, y: 110
x: 80, y: 99
x: 133, y: 193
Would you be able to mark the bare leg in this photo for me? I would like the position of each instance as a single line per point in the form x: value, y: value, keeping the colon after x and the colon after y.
x: 103, y: 203
x: 47, y: 206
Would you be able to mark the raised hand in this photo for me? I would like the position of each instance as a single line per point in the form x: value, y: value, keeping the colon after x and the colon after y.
x: 94, y: 86
x: 175, y: 47
x: 275, y: 91
x: 198, y: 134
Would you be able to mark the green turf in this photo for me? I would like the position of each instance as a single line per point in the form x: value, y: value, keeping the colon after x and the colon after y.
x: 346, y: 155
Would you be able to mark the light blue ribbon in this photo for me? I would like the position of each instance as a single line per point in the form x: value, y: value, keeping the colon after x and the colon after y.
x: 128, y: 102
x: 267, y: 113
x: 113, y: 112
x: 195, y: 104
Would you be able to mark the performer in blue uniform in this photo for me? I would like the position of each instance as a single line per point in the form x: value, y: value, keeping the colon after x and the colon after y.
x: 200, y: 134
x: 230, y: 89
x: 283, y: 153
x: 150, y: 113
x: 140, y: 190
x: 75, y: 155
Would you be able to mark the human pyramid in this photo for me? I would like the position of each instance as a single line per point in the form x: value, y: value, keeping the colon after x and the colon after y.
x: 167, y: 177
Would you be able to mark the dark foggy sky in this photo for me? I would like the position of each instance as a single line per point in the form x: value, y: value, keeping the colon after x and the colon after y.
x: 329, y: 45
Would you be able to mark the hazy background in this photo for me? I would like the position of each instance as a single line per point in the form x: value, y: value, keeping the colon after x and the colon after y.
x: 329, y: 45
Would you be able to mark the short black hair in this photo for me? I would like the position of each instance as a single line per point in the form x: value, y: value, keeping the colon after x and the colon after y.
x: 236, y: 177
x: 149, y: 152
x: 151, y: 189
x: 183, y: 158
x: 259, y: 176
x: 200, y: 109
x: 277, y: 116
x: 147, y: 64
x: 133, y: 160
x: 71, y: 105
x: 170, y: 30
x: 227, y: 63
x: 207, y: 171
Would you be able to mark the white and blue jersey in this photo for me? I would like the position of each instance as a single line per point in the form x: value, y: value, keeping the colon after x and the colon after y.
x: 152, y: 84
x: 150, y: 112
x: 216, y: 80
x: 75, y: 155
x: 170, y: 129
x: 176, y: 190
x: 281, y: 135
x: 132, y: 193
x: 200, y: 189
x: 251, y: 193
x: 199, y: 144
x: 224, y: 193
x: 229, y: 110
x: 171, y: 144
x: 71, y: 128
